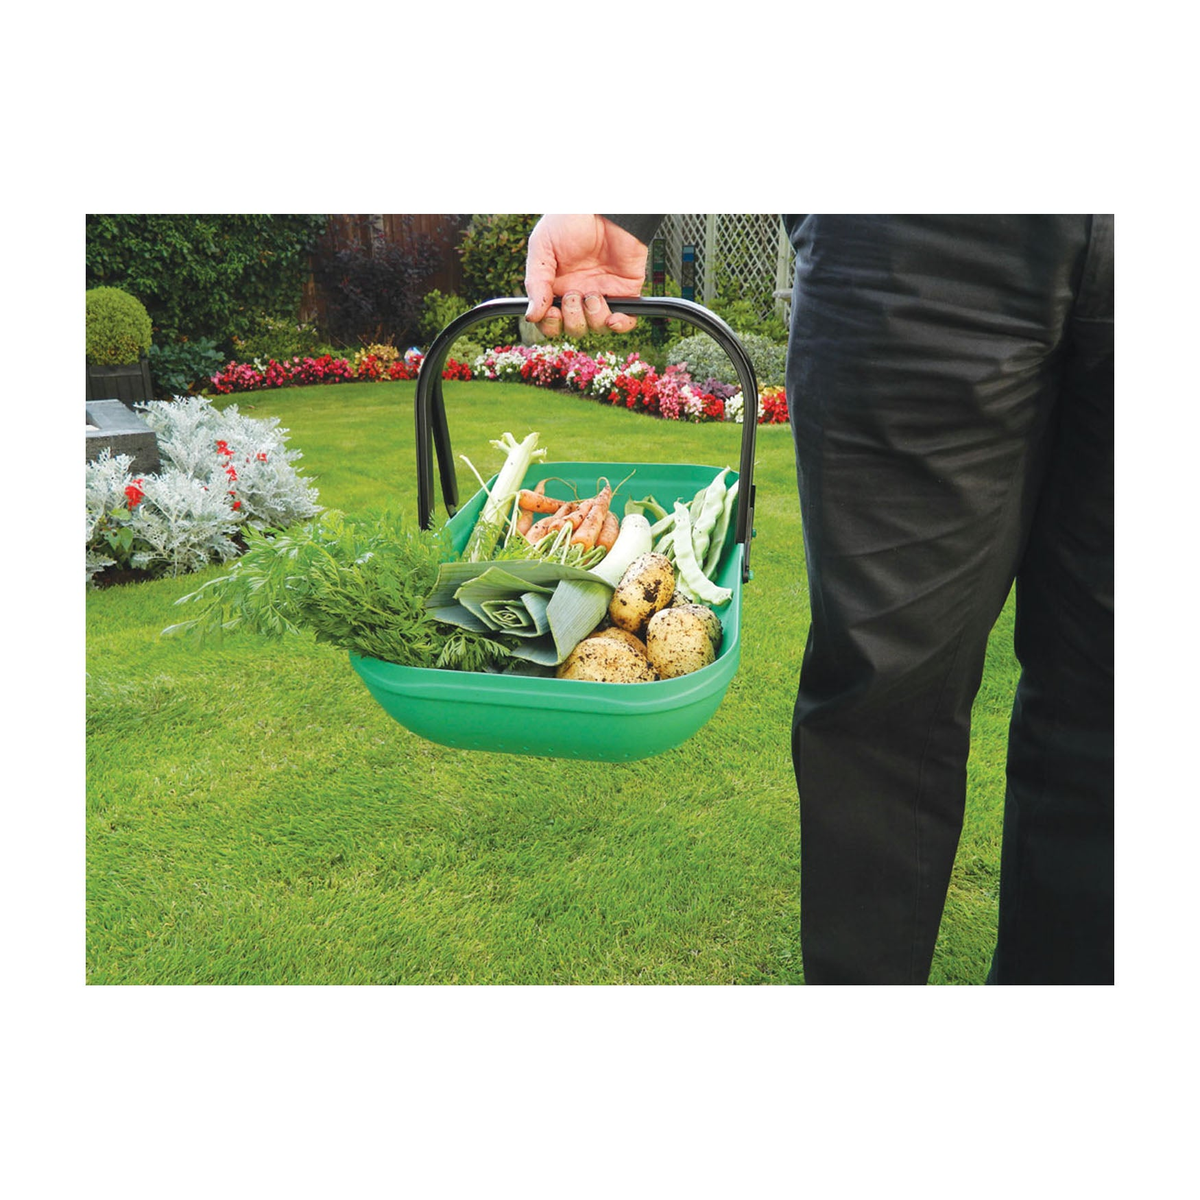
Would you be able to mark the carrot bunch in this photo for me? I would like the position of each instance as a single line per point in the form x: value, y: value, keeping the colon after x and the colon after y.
x: 592, y: 520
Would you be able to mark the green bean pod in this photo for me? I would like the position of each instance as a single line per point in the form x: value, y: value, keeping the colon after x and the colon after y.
x: 712, y: 502
x: 690, y: 571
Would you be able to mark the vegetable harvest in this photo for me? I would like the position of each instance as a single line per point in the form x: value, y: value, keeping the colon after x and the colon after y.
x: 544, y: 584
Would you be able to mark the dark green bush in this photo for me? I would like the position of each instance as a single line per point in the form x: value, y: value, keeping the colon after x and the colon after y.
x: 493, y: 254
x: 203, y: 276
x: 118, y: 327
x: 184, y: 368
x: 493, y: 261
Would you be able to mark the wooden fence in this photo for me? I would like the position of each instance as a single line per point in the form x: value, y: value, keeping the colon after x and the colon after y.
x: 347, y: 231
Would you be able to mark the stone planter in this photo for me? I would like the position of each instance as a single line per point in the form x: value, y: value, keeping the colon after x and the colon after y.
x: 130, y: 383
x: 110, y: 423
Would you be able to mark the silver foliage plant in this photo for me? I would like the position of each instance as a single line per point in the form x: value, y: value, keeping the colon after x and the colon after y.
x: 104, y: 491
x: 220, y: 470
x: 181, y: 525
x: 272, y: 493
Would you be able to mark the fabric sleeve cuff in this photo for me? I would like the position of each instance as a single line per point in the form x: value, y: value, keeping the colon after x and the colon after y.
x: 642, y: 227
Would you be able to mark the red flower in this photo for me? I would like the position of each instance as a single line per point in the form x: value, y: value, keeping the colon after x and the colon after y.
x: 134, y: 494
x: 229, y: 470
x: 236, y: 505
x: 223, y: 447
x: 261, y: 456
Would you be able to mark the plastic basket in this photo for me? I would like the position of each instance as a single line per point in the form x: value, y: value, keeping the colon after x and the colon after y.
x: 559, y: 718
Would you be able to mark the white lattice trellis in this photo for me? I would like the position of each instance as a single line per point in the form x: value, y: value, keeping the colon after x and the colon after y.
x: 751, y: 248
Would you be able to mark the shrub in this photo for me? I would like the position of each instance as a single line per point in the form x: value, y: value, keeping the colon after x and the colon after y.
x: 118, y: 327
x: 744, y: 316
x: 493, y: 260
x: 180, y: 525
x: 248, y: 456
x: 374, y: 361
x: 220, y: 471
x: 465, y: 350
x: 278, y: 337
x: 706, y: 360
x: 374, y: 295
x: 165, y: 524
x: 493, y: 255
x: 178, y: 368
x: 438, y: 309
x: 203, y: 275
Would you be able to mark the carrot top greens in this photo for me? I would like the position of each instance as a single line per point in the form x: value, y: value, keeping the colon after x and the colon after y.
x: 356, y: 583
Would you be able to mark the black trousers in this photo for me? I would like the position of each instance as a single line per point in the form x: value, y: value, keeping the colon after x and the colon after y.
x: 951, y: 387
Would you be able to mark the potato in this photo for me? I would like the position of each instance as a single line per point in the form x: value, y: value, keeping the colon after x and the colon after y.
x: 645, y: 588
x: 616, y: 633
x: 606, y: 660
x: 682, y: 639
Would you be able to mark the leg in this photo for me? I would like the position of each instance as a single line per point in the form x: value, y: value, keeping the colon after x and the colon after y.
x: 1056, y: 878
x: 923, y: 374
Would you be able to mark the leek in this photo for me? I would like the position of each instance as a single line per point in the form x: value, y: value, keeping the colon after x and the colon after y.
x: 499, y: 504
x: 548, y: 607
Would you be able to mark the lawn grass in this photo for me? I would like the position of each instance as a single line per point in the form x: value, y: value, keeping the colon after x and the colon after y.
x: 254, y: 817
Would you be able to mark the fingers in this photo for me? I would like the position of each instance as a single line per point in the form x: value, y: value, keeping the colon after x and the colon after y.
x: 576, y: 317
x: 541, y: 266
x: 551, y: 326
x: 574, y: 322
x: 590, y: 311
x: 540, y: 290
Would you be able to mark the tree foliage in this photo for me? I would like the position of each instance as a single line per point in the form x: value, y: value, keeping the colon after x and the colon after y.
x: 203, y: 276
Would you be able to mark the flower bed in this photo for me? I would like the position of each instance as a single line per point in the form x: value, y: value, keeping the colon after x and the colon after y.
x: 630, y: 382
x: 221, y: 471
x: 608, y: 378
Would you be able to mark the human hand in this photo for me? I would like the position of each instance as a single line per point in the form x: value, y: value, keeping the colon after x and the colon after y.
x: 581, y: 257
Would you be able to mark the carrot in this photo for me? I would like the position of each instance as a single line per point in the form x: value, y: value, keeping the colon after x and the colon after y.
x: 536, y: 500
x: 546, y: 525
x: 609, y: 530
x: 591, y: 524
x: 524, y: 522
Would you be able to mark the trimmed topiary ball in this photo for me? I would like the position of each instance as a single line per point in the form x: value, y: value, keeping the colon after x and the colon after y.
x: 118, y: 327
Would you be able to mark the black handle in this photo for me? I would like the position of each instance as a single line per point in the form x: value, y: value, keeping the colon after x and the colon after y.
x: 431, y: 410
